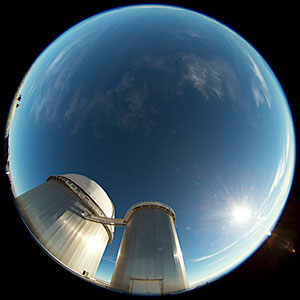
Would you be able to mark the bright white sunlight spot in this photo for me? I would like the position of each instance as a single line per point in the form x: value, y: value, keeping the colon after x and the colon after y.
x: 241, y: 214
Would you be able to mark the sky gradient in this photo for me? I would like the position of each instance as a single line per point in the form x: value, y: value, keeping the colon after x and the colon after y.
x: 162, y: 104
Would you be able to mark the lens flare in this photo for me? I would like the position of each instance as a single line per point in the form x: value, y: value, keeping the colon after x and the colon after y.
x: 241, y: 214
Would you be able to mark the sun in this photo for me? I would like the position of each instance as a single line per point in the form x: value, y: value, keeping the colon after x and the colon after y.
x: 241, y: 214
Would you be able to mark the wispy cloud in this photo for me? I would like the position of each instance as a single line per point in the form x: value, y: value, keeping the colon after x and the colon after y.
x: 123, y: 105
x: 214, y: 79
x: 51, y: 89
x: 284, y: 169
x: 126, y: 107
x: 260, y: 88
x: 194, y: 260
x: 109, y: 258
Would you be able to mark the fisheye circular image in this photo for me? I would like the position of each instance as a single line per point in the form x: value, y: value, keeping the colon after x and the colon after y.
x: 151, y: 149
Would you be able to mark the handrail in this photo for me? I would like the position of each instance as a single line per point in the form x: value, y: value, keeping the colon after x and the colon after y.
x: 103, y: 220
x: 150, y: 204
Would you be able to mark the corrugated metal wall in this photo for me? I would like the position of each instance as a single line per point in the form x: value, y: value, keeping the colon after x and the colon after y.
x: 149, y: 251
x: 52, y: 212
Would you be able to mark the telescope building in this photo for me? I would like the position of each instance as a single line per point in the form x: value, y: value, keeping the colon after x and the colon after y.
x: 53, y: 214
x: 73, y: 219
x: 150, y: 261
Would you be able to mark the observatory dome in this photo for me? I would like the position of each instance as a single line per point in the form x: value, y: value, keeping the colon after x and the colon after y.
x: 53, y: 213
x: 94, y: 191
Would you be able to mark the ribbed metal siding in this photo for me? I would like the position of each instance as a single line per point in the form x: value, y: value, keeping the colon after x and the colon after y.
x: 52, y: 212
x: 94, y: 191
x: 150, y: 251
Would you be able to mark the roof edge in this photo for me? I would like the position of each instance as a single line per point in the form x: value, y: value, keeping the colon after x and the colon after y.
x: 86, y: 199
x: 150, y: 204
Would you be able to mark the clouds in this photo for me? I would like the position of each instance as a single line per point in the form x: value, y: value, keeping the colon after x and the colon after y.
x: 193, y: 260
x: 123, y: 105
x: 125, y: 98
x: 284, y: 169
x: 214, y: 79
x: 128, y: 105
x: 237, y: 83
x: 52, y: 87
x: 259, y: 86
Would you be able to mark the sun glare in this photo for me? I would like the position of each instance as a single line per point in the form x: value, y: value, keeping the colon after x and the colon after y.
x: 241, y: 214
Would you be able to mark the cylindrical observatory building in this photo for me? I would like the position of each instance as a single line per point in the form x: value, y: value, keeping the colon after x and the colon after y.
x: 53, y: 213
x: 149, y: 260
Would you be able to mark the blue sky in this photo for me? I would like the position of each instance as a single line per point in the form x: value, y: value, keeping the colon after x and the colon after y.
x: 202, y: 130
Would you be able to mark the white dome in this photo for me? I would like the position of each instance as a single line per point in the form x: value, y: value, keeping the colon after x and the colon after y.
x: 94, y: 191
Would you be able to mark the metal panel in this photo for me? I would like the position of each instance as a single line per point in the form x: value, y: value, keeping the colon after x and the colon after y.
x: 150, y: 250
x: 52, y: 212
x: 94, y: 191
x: 93, y: 205
x: 148, y: 287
